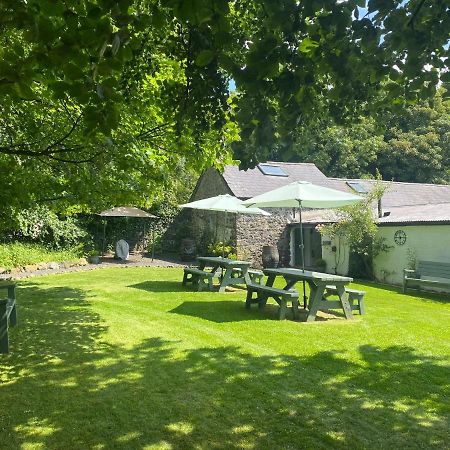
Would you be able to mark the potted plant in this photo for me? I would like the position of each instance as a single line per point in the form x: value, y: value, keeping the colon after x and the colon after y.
x: 93, y: 256
x: 320, y: 264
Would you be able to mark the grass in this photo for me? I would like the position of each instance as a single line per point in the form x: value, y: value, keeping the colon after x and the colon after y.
x: 18, y: 254
x: 128, y: 359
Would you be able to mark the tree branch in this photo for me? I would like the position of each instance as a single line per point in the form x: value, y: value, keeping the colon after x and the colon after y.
x: 414, y: 14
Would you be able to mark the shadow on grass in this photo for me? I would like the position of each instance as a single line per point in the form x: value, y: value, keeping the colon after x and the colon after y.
x: 225, y: 311
x: 440, y: 297
x: 159, y: 286
x: 233, y: 311
x: 62, y: 387
x: 176, y: 286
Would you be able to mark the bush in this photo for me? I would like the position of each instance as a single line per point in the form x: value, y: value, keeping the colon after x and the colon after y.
x: 19, y: 254
x: 219, y: 249
x: 43, y: 226
x: 320, y: 264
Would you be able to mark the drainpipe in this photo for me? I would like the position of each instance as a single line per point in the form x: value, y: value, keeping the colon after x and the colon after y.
x: 380, y: 209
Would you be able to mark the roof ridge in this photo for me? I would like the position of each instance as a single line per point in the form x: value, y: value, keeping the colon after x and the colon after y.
x: 387, y: 181
x: 290, y: 163
x: 418, y: 204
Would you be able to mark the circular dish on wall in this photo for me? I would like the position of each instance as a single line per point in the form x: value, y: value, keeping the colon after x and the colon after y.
x: 399, y: 237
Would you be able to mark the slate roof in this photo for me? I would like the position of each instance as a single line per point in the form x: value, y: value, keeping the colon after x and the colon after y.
x: 249, y: 183
x: 430, y: 213
x: 406, y: 202
x: 399, y: 193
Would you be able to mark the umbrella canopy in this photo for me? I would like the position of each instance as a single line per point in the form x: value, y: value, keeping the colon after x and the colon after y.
x: 303, y: 194
x: 126, y: 211
x: 224, y: 203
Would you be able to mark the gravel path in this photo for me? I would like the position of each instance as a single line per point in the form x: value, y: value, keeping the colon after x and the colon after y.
x: 106, y: 262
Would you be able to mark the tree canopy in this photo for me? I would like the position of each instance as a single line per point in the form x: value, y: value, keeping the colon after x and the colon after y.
x: 104, y: 99
x: 412, y: 144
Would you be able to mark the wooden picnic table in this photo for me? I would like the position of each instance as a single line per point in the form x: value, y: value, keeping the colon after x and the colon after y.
x: 230, y: 275
x: 318, y: 283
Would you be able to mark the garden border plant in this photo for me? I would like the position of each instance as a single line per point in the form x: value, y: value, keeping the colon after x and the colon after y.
x: 356, y: 224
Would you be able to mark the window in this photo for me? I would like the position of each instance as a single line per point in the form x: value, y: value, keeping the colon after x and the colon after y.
x: 358, y: 187
x: 275, y: 171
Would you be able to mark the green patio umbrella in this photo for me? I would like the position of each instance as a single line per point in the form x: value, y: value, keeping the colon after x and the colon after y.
x: 224, y: 203
x: 302, y: 194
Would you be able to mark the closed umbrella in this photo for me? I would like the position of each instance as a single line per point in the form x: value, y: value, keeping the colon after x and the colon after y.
x: 302, y: 194
x: 224, y: 203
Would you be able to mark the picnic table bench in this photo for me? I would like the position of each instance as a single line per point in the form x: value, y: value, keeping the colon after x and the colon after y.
x: 228, y: 271
x: 318, y: 283
x: 8, y: 316
x: 355, y: 298
x: 255, y: 275
x: 281, y: 296
x: 199, y: 278
x: 428, y: 273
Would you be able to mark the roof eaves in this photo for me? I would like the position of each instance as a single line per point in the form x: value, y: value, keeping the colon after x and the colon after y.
x: 406, y: 223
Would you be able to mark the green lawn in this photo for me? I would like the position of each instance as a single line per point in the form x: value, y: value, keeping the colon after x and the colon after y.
x: 127, y: 358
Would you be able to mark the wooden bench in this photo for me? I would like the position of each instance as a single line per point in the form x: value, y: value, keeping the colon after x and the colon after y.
x: 426, y: 274
x: 256, y: 276
x: 8, y: 316
x: 355, y: 298
x: 198, y: 278
x: 279, y: 295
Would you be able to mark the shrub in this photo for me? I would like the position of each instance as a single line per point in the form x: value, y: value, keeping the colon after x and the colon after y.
x: 219, y: 249
x: 43, y: 226
x: 18, y: 254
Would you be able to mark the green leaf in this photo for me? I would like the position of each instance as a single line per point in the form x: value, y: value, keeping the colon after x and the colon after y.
x: 24, y: 91
x: 204, y: 58
x: 445, y: 77
x: 307, y: 45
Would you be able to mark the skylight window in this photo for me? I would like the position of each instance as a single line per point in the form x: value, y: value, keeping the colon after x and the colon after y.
x: 274, y: 171
x: 358, y: 187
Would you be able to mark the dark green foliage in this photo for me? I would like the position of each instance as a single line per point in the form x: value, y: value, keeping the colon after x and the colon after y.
x: 43, y: 226
x: 290, y: 60
x: 411, y: 143
x: 222, y: 249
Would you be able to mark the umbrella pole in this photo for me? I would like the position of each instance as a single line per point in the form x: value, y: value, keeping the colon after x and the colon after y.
x: 223, y: 244
x: 153, y: 241
x: 223, y: 235
x: 302, y: 246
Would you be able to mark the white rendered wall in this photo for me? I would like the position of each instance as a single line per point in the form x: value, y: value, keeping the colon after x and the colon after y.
x: 424, y: 242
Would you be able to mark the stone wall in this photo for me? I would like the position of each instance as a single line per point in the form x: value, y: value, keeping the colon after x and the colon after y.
x: 208, y: 226
x: 254, y: 232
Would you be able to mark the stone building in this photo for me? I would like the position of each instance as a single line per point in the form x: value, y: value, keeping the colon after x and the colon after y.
x: 248, y: 234
x: 419, y: 213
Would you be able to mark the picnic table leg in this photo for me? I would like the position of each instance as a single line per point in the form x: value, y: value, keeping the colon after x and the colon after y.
x: 4, y: 342
x: 13, y: 314
x: 270, y: 280
x: 246, y: 275
x: 283, y: 308
x: 343, y: 298
x: 315, y: 299
x: 226, y: 279
x: 295, y: 308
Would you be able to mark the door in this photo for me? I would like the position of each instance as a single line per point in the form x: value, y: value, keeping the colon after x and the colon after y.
x: 313, y: 246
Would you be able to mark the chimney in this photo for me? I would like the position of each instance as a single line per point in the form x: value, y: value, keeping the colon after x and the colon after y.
x: 380, y: 209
